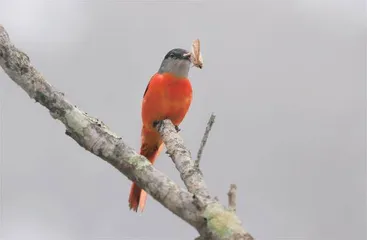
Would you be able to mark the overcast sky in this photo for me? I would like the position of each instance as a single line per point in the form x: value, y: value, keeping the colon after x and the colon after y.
x: 285, y: 78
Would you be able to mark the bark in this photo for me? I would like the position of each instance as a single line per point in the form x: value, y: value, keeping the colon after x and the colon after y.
x: 194, y: 205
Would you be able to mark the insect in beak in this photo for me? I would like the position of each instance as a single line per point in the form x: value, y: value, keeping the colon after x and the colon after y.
x: 196, y: 57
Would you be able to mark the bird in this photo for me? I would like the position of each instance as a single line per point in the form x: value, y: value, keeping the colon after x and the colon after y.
x: 168, y: 95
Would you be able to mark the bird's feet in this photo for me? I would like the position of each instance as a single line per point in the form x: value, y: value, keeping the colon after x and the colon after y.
x: 155, y: 123
x: 177, y: 128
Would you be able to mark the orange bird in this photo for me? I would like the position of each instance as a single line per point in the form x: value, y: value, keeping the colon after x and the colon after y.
x: 167, y: 96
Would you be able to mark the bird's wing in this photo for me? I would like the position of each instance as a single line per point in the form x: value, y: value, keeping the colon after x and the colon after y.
x: 146, y: 89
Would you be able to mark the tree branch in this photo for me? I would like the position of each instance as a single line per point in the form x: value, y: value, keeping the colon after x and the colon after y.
x: 212, y: 221
x: 232, y: 195
x: 92, y: 134
x: 208, y: 128
x: 181, y: 156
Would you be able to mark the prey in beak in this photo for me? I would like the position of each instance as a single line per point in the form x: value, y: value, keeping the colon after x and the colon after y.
x: 196, y: 57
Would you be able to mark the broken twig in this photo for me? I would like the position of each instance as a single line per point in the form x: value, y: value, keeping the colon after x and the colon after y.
x: 232, y: 197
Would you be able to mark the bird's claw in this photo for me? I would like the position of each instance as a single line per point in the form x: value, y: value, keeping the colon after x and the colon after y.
x: 177, y: 128
x: 155, y: 123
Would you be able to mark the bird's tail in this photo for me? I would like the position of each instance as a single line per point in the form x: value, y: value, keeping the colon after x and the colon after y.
x: 151, y: 145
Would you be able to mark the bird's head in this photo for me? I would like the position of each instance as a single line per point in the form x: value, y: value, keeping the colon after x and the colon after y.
x: 177, y: 61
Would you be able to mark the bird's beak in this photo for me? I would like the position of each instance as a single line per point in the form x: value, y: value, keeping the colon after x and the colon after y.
x: 187, y: 56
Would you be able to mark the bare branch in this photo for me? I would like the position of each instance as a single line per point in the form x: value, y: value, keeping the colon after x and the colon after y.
x: 181, y: 156
x: 92, y: 134
x: 232, y: 197
x: 208, y: 128
x: 213, y: 221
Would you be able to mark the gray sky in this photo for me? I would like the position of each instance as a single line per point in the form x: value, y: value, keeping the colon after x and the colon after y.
x: 285, y: 78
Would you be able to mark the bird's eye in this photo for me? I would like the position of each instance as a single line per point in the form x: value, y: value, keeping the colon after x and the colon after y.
x: 172, y: 55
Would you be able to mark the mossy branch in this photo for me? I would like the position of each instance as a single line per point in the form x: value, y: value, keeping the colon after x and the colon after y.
x: 195, y: 206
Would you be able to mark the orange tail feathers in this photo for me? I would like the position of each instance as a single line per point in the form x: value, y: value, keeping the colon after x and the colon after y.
x: 151, y: 145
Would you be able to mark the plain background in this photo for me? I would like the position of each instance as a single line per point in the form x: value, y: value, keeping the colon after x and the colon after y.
x: 285, y: 78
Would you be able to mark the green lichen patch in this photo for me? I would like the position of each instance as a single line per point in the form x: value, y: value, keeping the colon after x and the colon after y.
x: 138, y: 162
x: 76, y: 121
x: 222, y: 222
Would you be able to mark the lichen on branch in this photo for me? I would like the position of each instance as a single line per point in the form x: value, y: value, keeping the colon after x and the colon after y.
x: 194, y: 206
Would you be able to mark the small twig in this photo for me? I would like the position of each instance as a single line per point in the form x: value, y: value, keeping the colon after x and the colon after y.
x: 208, y: 128
x: 232, y: 197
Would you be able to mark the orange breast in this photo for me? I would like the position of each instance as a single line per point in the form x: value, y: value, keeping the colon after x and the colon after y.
x: 166, y: 97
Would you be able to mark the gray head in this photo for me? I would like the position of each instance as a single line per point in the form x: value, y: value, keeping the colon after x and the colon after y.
x: 177, y: 61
